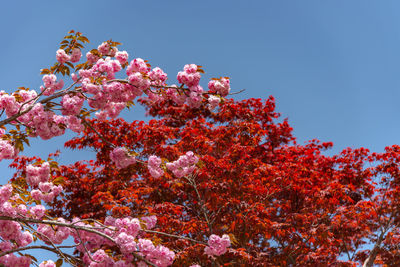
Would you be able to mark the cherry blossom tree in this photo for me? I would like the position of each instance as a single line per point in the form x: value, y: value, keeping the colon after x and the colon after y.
x: 95, y: 87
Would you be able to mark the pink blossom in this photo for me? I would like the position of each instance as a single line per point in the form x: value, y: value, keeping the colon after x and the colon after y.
x: 7, y: 151
x: 37, y: 211
x: 213, y: 102
x: 121, y: 157
x: 24, y: 239
x: 27, y: 95
x: 7, y: 209
x: 189, y: 76
x: 9, y: 103
x: 122, y: 57
x: 48, y: 263
x: 184, y: 166
x: 5, y: 192
x: 22, y: 209
x: 137, y: 65
x: 74, y: 77
x: 56, y: 234
x: 37, y: 174
x: 62, y: 57
x: 91, y: 58
x: 74, y: 124
x: 150, y: 221
x: 71, y: 104
x: 47, y: 192
x: 50, y: 84
x: 104, y: 48
x: 128, y: 225
x: 13, y: 260
x: 9, y: 230
x: 158, y: 75
x: 100, y: 259
x: 160, y: 255
x: 221, y: 86
x: 126, y: 243
x: 137, y: 79
x: 154, y: 166
x: 76, y: 55
x: 217, y: 245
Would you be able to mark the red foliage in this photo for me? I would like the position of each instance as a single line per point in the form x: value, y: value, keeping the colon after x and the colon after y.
x: 282, y: 203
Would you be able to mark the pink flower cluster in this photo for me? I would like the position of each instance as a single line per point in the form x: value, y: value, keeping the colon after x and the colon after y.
x: 37, y: 174
x: 150, y: 221
x: 53, y: 233
x: 63, y: 57
x: 9, y: 104
x: 13, y: 260
x: 48, y: 263
x: 50, y: 84
x: 159, y: 255
x: 154, y: 166
x: 45, y: 124
x: 195, y: 96
x: 122, y: 57
x: 106, y: 50
x: 184, y: 166
x: 158, y: 76
x: 38, y: 177
x: 5, y: 193
x: 189, y: 76
x: 37, y: 211
x: 72, y: 104
x: 112, y: 97
x: 11, y: 232
x: 47, y: 192
x: 7, y: 150
x: 137, y: 72
x: 217, y: 245
x: 121, y: 157
x: 76, y: 55
x: 98, y: 259
x: 127, y: 230
x: 213, y: 102
x: 176, y: 95
x: 92, y: 58
x: 220, y: 86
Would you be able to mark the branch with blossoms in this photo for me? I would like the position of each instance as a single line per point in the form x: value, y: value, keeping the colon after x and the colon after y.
x: 22, y: 217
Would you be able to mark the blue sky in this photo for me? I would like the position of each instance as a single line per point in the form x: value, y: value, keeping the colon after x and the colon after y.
x: 333, y: 66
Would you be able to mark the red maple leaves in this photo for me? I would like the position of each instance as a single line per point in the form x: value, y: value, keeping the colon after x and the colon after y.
x: 281, y: 203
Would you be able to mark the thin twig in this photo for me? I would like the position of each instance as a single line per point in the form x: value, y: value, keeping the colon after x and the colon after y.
x: 176, y: 236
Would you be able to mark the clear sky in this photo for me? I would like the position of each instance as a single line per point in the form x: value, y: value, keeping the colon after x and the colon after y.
x: 333, y: 66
